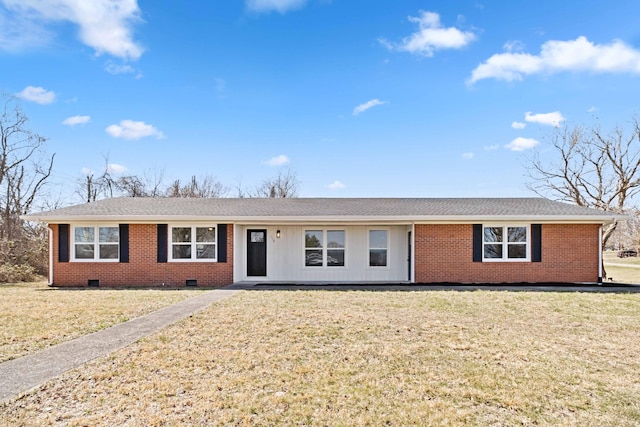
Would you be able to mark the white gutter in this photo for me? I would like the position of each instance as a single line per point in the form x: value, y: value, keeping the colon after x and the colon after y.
x: 401, y: 219
x: 600, y: 256
x: 50, y: 256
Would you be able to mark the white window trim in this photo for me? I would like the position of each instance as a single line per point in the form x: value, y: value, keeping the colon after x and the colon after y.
x: 193, y: 243
x: 505, y: 244
x: 324, y: 248
x: 379, y: 267
x: 96, y: 243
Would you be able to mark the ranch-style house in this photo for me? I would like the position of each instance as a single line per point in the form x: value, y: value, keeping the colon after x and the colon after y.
x: 216, y: 242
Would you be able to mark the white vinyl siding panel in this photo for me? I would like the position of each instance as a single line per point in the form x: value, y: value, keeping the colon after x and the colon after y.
x: 286, y: 255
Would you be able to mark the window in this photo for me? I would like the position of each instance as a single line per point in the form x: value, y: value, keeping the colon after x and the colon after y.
x: 95, y: 243
x: 192, y: 243
x: 335, y: 248
x: 316, y: 254
x: 501, y: 243
x: 378, y: 248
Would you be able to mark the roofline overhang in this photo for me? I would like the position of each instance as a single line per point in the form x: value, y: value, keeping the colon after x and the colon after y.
x: 390, y: 219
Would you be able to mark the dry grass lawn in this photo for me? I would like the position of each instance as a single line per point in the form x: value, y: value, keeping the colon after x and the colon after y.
x: 366, y: 358
x: 34, y: 316
x: 622, y: 274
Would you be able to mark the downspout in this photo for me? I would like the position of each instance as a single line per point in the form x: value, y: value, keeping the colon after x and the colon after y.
x: 600, y: 256
x: 50, y: 256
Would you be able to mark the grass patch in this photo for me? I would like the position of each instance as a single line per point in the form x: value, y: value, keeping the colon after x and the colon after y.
x: 621, y: 270
x: 621, y: 274
x: 34, y: 316
x: 366, y: 358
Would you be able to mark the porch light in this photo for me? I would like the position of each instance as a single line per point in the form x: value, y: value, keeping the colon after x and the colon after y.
x: 278, y: 234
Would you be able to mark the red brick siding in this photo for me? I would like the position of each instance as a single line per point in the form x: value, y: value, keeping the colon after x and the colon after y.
x: 143, y: 268
x: 443, y: 253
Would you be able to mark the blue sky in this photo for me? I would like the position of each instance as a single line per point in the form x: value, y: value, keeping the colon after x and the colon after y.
x: 358, y: 98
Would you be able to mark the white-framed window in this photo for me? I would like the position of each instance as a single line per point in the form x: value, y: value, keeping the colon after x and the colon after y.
x: 193, y: 243
x: 505, y: 243
x: 319, y: 254
x: 96, y: 243
x: 378, y: 248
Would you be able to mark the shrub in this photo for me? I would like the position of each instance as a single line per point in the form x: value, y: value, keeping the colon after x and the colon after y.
x: 10, y: 273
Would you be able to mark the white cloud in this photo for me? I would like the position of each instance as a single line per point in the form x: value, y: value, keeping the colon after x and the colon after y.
x: 336, y: 185
x: 521, y: 144
x: 468, y: 155
x: 491, y: 147
x: 104, y: 25
x: 129, y: 129
x: 592, y: 109
x: 278, y: 160
x: 518, y: 125
x: 431, y: 36
x: 112, y: 68
x: 37, y: 94
x: 18, y: 32
x: 87, y: 171
x: 116, y: 168
x: 557, y: 56
x: 280, y: 6
x: 369, y: 104
x: 552, y: 119
x: 513, y: 46
x: 76, y: 120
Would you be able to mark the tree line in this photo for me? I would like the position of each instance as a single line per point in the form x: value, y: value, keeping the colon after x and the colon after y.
x: 93, y: 187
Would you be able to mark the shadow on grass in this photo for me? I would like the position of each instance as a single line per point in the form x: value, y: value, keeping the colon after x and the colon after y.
x: 511, y: 287
x: 124, y: 288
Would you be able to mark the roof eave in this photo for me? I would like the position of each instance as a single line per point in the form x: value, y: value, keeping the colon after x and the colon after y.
x: 406, y: 219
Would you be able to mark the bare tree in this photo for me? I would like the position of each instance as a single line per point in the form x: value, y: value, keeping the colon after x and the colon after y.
x: 591, y: 168
x: 205, y: 187
x: 24, y: 167
x: 108, y: 184
x: 24, y: 170
x: 284, y: 184
x: 92, y: 187
x: 153, y: 180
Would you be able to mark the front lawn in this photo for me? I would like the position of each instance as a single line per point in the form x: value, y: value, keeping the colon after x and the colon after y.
x: 34, y: 316
x: 366, y: 358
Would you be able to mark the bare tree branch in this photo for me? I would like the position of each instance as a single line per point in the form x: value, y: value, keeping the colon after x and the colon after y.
x: 590, y: 168
x: 284, y: 184
x: 24, y: 171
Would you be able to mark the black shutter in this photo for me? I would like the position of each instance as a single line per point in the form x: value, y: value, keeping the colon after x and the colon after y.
x: 162, y: 242
x: 124, y: 242
x: 63, y: 242
x: 536, y: 242
x: 477, y: 242
x: 222, y: 242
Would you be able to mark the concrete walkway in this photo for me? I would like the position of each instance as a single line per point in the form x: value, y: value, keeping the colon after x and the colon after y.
x: 23, y: 374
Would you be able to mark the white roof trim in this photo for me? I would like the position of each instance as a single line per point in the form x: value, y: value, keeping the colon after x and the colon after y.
x: 409, y: 219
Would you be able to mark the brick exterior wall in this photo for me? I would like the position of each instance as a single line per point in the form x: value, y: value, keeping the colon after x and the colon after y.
x: 143, y: 268
x: 443, y: 253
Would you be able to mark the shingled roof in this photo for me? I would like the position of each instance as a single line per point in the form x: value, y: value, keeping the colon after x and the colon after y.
x: 322, y: 209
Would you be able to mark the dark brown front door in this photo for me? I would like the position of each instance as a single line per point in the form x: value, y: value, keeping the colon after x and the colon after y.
x: 256, y: 253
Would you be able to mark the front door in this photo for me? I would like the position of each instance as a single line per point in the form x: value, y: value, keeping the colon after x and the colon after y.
x: 256, y: 252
